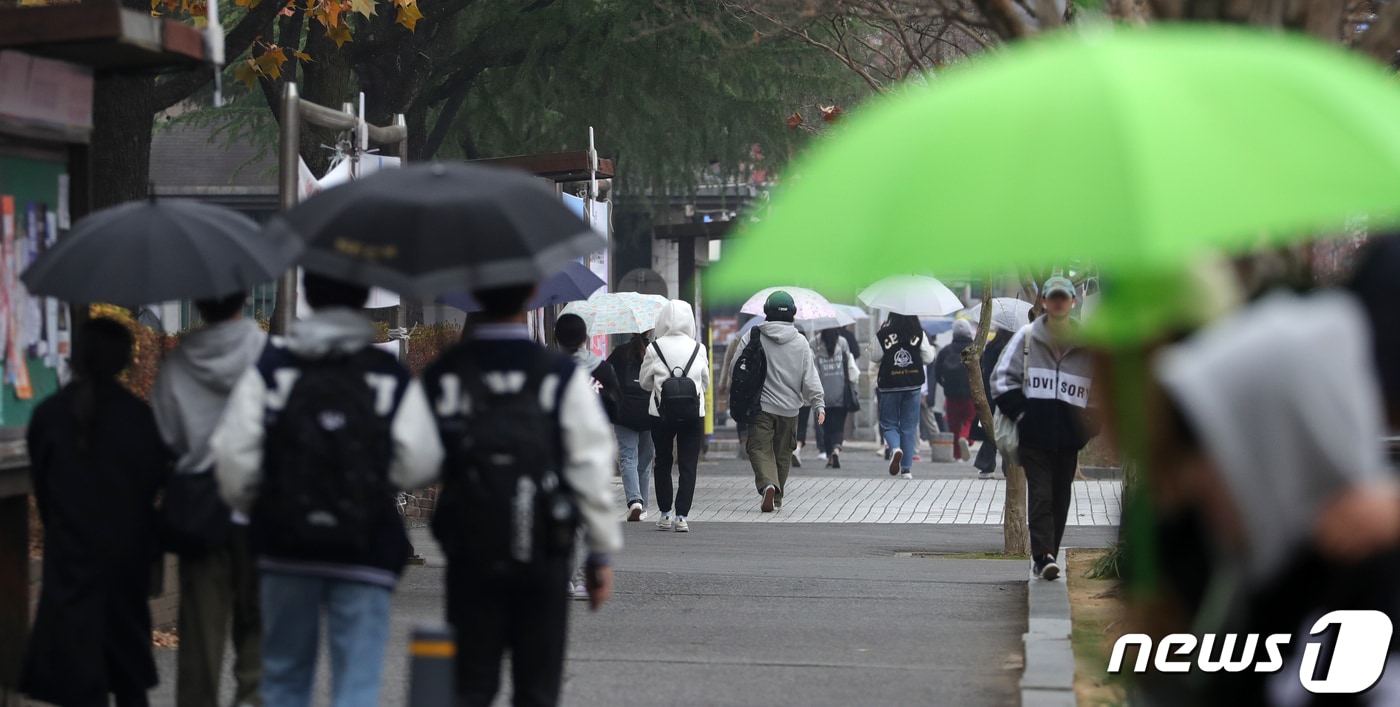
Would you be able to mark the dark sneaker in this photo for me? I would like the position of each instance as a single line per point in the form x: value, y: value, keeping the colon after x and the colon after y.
x: 888, y: 452
x: 767, y: 506
x: 836, y: 460
x: 1050, y: 571
x: 895, y: 459
x: 1038, y: 566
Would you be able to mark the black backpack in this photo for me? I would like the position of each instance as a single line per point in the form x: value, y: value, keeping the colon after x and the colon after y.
x: 746, y: 385
x: 503, y: 498
x: 678, y: 401
x: 326, y: 462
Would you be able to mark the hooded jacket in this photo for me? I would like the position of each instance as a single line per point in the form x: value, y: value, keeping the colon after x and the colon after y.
x: 1046, y: 393
x: 793, y: 381
x: 838, y: 372
x: 675, y: 336
x: 194, y: 384
x: 261, y: 393
x: 947, y: 369
x: 1286, y: 402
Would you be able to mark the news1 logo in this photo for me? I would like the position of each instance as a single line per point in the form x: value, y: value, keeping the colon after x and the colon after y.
x: 1358, y: 653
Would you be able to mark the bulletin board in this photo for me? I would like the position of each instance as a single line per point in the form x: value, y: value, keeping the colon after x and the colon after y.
x: 35, y: 333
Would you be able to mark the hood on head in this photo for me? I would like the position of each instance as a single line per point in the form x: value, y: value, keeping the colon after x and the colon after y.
x: 1285, y: 401
x: 338, y: 330
x: 962, y: 329
x: 677, y: 318
x: 217, y: 355
x: 780, y: 332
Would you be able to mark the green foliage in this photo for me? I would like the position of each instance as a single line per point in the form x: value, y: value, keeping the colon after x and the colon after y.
x: 1108, y: 566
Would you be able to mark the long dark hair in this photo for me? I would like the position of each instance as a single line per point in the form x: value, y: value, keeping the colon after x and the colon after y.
x: 104, y: 354
x: 636, y: 349
x: 830, y: 338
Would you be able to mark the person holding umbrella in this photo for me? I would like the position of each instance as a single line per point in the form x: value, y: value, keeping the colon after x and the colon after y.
x: 839, y: 375
x: 633, y: 426
x: 904, y: 353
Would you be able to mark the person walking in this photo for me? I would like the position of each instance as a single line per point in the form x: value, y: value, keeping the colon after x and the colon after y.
x: 96, y: 465
x: 986, y: 461
x: 792, y: 382
x: 948, y: 371
x: 218, y: 574
x: 635, y: 449
x: 571, y: 333
x: 905, y: 350
x: 317, y: 437
x: 840, y: 377
x: 530, y: 460
x: 1043, y: 381
x: 678, y: 423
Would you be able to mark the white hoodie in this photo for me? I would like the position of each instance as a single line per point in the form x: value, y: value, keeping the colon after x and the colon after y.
x: 675, y: 335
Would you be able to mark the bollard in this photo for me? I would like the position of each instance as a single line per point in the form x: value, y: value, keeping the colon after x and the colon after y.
x: 431, y: 677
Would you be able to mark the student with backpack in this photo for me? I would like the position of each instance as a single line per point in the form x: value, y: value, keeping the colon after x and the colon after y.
x: 633, y: 425
x: 676, y: 370
x: 316, y: 439
x: 571, y: 334
x: 530, y: 459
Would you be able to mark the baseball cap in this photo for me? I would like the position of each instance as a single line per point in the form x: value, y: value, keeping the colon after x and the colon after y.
x: 1058, y: 284
x: 780, y: 302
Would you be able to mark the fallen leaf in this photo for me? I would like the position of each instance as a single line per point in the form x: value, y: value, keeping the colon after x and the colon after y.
x: 409, y: 16
x: 794, y: 120
x: 831, y: 113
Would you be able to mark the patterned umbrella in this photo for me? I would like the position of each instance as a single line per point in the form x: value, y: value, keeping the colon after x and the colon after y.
x: 810, y: 305
x: 618, y: 312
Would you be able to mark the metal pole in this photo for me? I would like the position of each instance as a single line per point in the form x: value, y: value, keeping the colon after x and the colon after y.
x: 402, y: 323
x: 432, y: 667
x: 289, y: 161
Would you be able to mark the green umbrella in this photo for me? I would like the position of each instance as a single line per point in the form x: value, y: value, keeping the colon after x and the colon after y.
x: 1127, y: 147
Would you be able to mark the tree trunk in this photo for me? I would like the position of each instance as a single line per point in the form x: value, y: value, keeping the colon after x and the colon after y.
x: 1015, y: 526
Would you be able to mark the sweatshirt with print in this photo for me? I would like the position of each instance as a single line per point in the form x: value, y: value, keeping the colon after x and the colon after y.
x: 1047, y: 391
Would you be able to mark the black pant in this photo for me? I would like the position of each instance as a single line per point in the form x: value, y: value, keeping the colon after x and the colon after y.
x: 687, y: 438
x: 1049, y: 487
x: 523, y: 609
x: 833, y: 430
x: 987, y: 457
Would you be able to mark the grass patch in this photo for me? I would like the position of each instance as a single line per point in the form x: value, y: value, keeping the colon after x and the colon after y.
x: 963, y: 556
x: 1097, y: 615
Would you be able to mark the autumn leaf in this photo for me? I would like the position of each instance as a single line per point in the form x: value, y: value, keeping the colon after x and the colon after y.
x: 340, y: 33
x: 332, y: 20
x: 364, y: 7
x: 409, y: 16
x: 250, y: 4
x: 301, y: 55
x: 831, y: 113
x: 794, y: 120
x: 270, y: 63
x: 246, y: 73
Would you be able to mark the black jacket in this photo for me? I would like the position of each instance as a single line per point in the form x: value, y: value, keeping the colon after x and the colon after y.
x: 633, y: 411
x: 948, y: 370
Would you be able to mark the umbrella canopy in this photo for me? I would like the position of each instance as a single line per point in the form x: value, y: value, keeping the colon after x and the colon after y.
x: 157, y: 251
x: 855, y: 313
x: 619, y: 312
x: 842, y: 319
x: 575, y: 282
x: 1008, y: 313
x: 1123, y: 146
x: 441, y: 228
x: 911, y: 294
x: 810, y: 305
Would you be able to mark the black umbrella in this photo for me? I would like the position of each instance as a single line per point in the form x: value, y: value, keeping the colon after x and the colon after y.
x: 436, y: 229
x: 156, y: 251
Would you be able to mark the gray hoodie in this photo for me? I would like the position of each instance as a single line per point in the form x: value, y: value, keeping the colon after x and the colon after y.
x: 194, y: 383
x: 793, y: 382
x: 1286, y: 403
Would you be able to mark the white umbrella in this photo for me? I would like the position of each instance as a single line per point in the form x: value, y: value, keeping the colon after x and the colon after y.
x: 854, y: 312
x: 1008, y: 313
x: 810, y: 305
x: 841, y: 319
x: 618, y: 312
x: 911, y: 294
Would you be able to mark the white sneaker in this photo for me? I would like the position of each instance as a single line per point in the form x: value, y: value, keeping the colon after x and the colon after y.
x: 635, y: 513
x: 907, y: 475
x: 644, y: 516
x: 681, y: 525
x: 579, y: 591
x: 986, y: 474
x: 821, y: 457
x: 665, y: 522
x: 964, y: 450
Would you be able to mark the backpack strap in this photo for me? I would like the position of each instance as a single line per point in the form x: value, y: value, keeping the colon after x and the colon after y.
x: 1026, y: 356
x: 686, y: 373
x: 656, y: 346
x: 474, y: 381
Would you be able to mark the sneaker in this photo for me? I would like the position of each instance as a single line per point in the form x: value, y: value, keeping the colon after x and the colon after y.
x: 828, y: 464
x: 777, y: 503
x: 836, y: 460
x: 964, y: 449
x: 986, y: 474
x: 579, y: 591
x: 644, y: 516
x: 888, y: 452
x: 796, y: 460
x: 665, y: 522
x: 1038, y: 567
x: 1050, y: 570
x: 895, y: 458
x: 768, y: 493
x: 822, y: 457
x: 681, y: 525
x: 634, y: 511
x: 907, y: 475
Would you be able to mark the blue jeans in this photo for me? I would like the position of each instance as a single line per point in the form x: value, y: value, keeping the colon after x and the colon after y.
x: 637, y: 453
x: 357, y: 617
x: 899, y: 423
